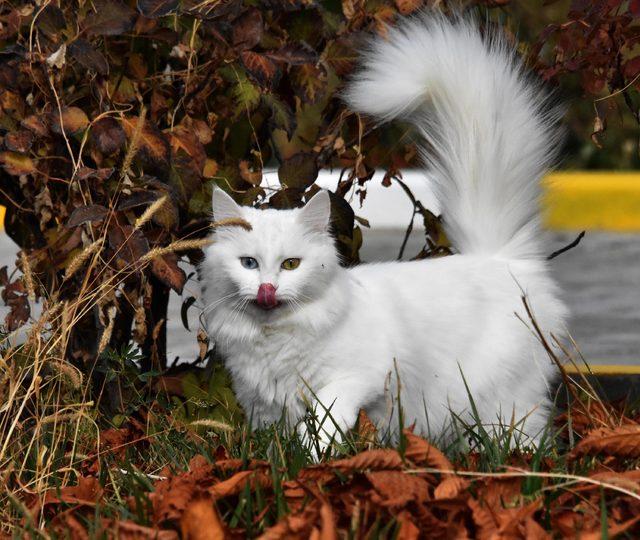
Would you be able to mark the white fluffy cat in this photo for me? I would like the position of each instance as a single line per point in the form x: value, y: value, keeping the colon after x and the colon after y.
x: 291, y: 322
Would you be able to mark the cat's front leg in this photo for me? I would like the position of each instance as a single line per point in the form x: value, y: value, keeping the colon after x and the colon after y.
x: 334, y: 411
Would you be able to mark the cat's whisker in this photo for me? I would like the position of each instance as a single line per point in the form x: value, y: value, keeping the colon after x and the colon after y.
x: 212, y: 305
x: 238, y: 308
x: 295, y: 304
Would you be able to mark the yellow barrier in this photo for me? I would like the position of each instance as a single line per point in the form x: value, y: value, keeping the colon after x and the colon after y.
x: 603, y: 370
x: 605, y: 201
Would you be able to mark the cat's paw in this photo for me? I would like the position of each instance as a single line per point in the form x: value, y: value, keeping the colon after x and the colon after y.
x: 317, y: 441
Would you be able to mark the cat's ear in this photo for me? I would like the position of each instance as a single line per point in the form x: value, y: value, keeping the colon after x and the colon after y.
x: 224, y: 207
x: 316, y: 213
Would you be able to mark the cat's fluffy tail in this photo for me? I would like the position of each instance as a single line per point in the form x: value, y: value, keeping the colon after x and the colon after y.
x: 489, y: 132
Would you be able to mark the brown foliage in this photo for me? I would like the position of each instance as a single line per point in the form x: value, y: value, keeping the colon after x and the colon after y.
x: 597, y: 45
x: 109, y: 106
x: 364, y: 491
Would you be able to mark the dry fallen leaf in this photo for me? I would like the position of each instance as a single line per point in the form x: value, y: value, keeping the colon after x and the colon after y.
x: 450, y: 487
x: 200, y: 521
x: 622, y: 441
x: 370, y: 459
x: 396, y: 488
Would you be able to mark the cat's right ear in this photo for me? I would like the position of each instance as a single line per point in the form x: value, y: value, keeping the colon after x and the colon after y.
x: 317, y: 212
x: 224, y: 207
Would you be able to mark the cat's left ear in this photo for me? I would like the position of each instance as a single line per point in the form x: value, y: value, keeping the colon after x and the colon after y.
x: 224, y: 207
x: 317, y: 212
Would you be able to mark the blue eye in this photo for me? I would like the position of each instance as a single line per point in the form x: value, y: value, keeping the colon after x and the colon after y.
x: 249, y: 263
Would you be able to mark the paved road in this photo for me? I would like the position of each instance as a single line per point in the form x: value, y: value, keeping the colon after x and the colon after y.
x: 600, y: 279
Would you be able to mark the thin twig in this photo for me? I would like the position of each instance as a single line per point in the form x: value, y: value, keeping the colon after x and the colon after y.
x: 567, y: 247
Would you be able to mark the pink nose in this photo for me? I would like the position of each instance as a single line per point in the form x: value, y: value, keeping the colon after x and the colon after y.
x: 266, y: 298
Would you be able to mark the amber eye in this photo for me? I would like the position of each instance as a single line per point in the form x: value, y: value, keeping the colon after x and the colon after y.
x: 290, y: 264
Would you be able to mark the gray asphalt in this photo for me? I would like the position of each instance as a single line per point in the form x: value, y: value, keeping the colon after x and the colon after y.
x: 600, y: 280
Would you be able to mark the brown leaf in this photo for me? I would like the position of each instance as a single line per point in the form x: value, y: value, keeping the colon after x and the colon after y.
x: 599, y: 127
x: 157, y: 8
x: 36, y: 124
x: 367, y: 430
x: 166, y: 269
x: 15, y: 297
x: 327, y: 523
x: 351, y: 7
x: 397, y: 489
x: 421, y: 452
x: 629, y: 480
x: 200, y: 521
x: 19, y: 141
x: 613, y: 529
x: 287, y: 198
x: 153, y: 145
x: 211, y: 168
x: 534, y: 531
x: 128, y: 530
x: 70, y: 119
x: 500, y: 492
x: 341, y: 55
x: 262, y: 69
x: 622, y: 441
x: 513, y: 521
x: 450, y: 487
x: 108, y: 136
x: 138, y: 197
x: 88, y: 57
x: 110, y: 18
x: 128, y: 243
x: 85, y: 173
x: 379, y: 459
x: 299, y: 171
x: 247, y: 30
x: 311, y: 80
x: 253, y: 177
x: 16, y: 164
x: 408, y: 529
x: 408, y: 6
x: 235, y: 484
x: 294, y: 55
x: 86, y: 492
x: 10, y: 25
x: 184, y: 138
x: 485, y: 521
x: 69, y: 526
x: 51, y: 21
x: 200, y: 128
x: 84, y: 214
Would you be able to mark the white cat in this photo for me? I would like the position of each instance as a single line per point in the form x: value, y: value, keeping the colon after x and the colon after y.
x: 291, y: 322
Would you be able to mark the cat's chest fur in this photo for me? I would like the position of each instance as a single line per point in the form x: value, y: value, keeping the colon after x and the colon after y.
x: 271, y: 371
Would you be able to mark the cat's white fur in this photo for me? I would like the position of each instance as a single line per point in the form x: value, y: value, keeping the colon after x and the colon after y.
x: 340, y: 333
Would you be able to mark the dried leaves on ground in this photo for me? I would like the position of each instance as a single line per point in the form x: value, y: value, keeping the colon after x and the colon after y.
x: 413, y: 491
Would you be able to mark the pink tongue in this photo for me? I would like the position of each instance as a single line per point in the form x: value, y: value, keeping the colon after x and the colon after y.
x: 266, y: 296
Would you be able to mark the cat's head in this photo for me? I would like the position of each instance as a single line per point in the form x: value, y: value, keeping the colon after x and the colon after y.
x: 287, y: 259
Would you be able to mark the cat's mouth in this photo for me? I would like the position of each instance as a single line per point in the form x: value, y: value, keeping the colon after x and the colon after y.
x: 266, y: 297
x: 266, y: 307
